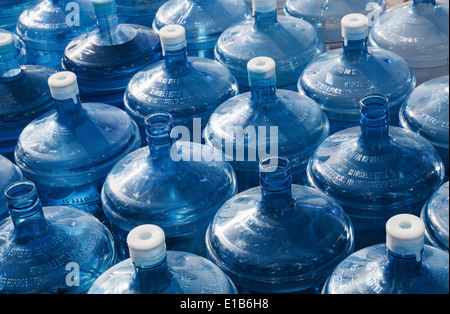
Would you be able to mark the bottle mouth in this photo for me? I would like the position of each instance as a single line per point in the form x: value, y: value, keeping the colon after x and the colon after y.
x: 22, y: 199
x: 374, y: 110
x: 158, y: 127
x: 275, y: 173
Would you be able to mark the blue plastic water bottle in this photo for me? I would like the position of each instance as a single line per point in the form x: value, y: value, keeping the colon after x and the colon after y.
x: 152, y: 269
x: 401, y: 265
x: 204, y: 21
x: 376, y: 171
x: 10, y: 11
x: 140, y: 12
x: 9, y: 173
x: 69, y: 151
x: 56, y: 250
x: 266, y: 122
x: 290, y: 41
x: 177, y: 185
x: 279, y: 237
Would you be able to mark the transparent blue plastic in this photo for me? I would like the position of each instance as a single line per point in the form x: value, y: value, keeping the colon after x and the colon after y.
x: 176, y: 185
x: 379, y: 269
x: 426, y: 113
x: 9, y: 173
x: 69, y: 151
x: 266, y: 122
x: 338, y: 79
x: 204, y: 21
x: 10, y: 11
x: 140, y: 12
x: 21, y: 52
x: 48, y: 26
x: 24, y: 94
x: 291, y: 42
x: 436, y: 219
x: 186, y: 87
x: 161, y: 272
x: 326, y: 15
x: 376, y: 171
x: 418, y: 32
x: 279, y: 237
x: 50, y: 250
x: 106, y: 58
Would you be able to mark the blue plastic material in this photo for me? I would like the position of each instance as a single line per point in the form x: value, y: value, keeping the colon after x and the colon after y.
x: 56, y: 250
x: 24, y: 94
x: 140, y: 12
x: 9, y: 173
x: 106, y: 58
x: 279, y: 237
x: 436, y: 219
x: 69, y: 151
x: 338, y: 79
x: 48, y: 26
x: 186, y: 87
x: 204, y: 21
x: 152, y: 269
x: 177, y: 185
x: 21, y: 52
x: 427, y: 113
x: 10, y: 11
x: 326, y: 15
x: 376, y: 171
x: 418, y: 32
x: 381, y: 269
x: 290, y: 41
x: 266, y: 122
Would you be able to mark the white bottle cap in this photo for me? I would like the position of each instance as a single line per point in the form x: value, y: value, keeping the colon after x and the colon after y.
x: 173, y: 37
x: 355, y: 26
x: 104, y: 7
x: 63, y: 85
x: 147, y: 246
x: 264, y: 6
x: 405, y: 235
x: 6, y: 43
x: 261, y: 68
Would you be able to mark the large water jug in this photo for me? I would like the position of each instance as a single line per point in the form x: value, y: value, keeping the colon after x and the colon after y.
x: 57, y: 250
x: 435, y: 216
x: 153, y: 269
x: 376, y: 171
x: 426, y: 113
x: 106, y: 58
x: 140, y: 12
x: 10, y: 11
x: 290, y: 41
x: 418, y: 32
x: 338, y: 79
x: 279, y: 237
x: 48, y: 26
x: 9, y: 173
x: 401, y: 265
x: 266, y: 122
x: 177, y: 185
x: 68, y: 152
x: 24, y: 94
x: 186, y: 87
x: 204, y: 21
x: 326, y: 15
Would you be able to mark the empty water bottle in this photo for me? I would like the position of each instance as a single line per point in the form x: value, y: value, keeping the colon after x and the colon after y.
x: 401, y: 265
x: 204, y: 21
x: 186, y: 87
x: 68, y: 152
x: 152, y: 269
x: 48, y: 26
x: 24, y: 94
x: 175, y: 184
x: 264, y: 122
x: 291, y: 42
x: 435, y: 216
x: 426, y: 112
x: 10, y: 11
x: 338, y: 79
x: 279, y: 237
x: 418, y: 32
x: 326, y: 15
x: 106, y: 58
x: 140, y: 12
x: 9, y: 173
x: 50, y: 249
x: 376, y: 171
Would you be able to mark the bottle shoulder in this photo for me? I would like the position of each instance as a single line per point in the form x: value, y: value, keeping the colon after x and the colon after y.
x: 9, y: 173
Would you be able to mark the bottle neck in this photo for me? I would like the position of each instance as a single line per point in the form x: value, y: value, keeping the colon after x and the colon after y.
x: 176, y: 61
x: 9, y: 66
x: 275, y: 181
x: 374, y: 121
x: 108, y: 26
x: 69, y: 111
x: 402, y: 270
x: 352, y: 47
x: 158, y: 128
x: 263, y: 89
x: 266, y: 20
x: 152, y: 280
